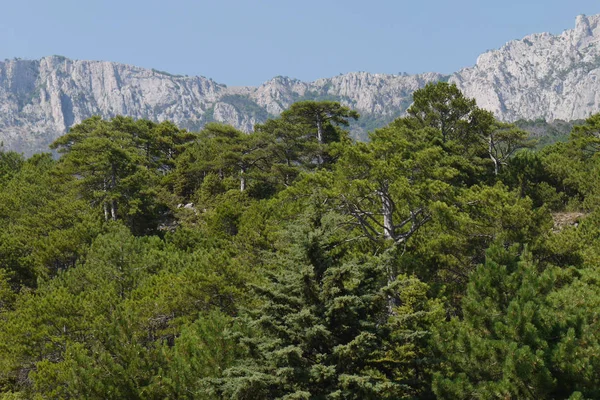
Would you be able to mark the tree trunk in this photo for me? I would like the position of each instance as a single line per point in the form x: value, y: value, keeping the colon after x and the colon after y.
x: 320, y: 139
x: 113, y: 203
x: 113, y: 210
x: 392, y: 301
x: 387, y: 209
x: 491, y: 153
x: 242, y: 180
x: 104, y: 203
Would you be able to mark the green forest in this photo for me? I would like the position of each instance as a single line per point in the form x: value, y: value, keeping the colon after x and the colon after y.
x: 450, y: 256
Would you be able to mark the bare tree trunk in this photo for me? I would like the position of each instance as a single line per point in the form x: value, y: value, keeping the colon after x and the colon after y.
x: 113, y: 203
x: 242, y: 180
x: 113, y: 210
x: 387, y: 209
x: 491, y: 153
x: 320, y: 139
x: 104, y: 203
x: 319, y: 130
x: 443, y: 129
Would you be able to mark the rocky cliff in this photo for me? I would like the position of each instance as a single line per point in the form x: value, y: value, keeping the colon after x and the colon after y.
x: 541, y: 76
x: 41, y: 99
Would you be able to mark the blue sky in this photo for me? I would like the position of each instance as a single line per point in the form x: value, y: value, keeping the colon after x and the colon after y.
x: 248, y: 42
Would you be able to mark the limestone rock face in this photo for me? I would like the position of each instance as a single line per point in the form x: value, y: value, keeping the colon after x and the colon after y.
x: 41, y: 99
x: 229, y: 114
x: 541, y: 76
x: 377, y: 94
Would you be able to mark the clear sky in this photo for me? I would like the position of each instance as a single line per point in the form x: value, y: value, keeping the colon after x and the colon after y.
x: 248, y: 42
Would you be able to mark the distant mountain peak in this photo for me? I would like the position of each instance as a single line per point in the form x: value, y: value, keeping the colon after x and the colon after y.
x: 539, y: 76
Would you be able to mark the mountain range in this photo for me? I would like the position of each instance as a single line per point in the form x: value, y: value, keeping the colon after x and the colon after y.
x: 541, y: 76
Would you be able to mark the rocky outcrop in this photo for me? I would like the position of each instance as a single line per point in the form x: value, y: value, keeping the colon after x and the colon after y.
x: 41, y: 99
x: 541, y: 76
x: 370, y: 94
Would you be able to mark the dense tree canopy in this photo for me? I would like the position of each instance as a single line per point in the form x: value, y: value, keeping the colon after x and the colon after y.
x: 443, y: 258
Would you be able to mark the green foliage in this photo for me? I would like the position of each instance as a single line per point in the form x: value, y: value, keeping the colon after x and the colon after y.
x: 321, y: 120
x: 521, y: 335
x: 324, y: 329
x: 44, y: 226
x: 439, y: 260
x: 397, y: 177
x: 442, y: 106
x: 119, y: 165
x: 10, y: 164
x: 225, y: 152
x: 205, y: 348
x: 574, y: 165
x: 548, y: 133
x: 112, y: 321
x: 292, y: 150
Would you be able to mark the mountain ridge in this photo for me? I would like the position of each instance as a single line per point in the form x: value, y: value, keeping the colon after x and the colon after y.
x: 539, y: 76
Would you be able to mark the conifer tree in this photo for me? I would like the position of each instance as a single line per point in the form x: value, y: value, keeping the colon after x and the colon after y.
x: 442, y: 106
x: 10, y: 164
x: 321, y: 121
x: 119, y: 165
x: 324, y: 329
x: 522, y: 334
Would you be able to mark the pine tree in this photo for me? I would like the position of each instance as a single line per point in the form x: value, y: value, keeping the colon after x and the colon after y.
x: 321, y: 121
x: 526, y: 332
x: 120, y: 164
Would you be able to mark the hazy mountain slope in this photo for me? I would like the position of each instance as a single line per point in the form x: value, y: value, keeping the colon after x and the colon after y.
x: 541, y: 76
